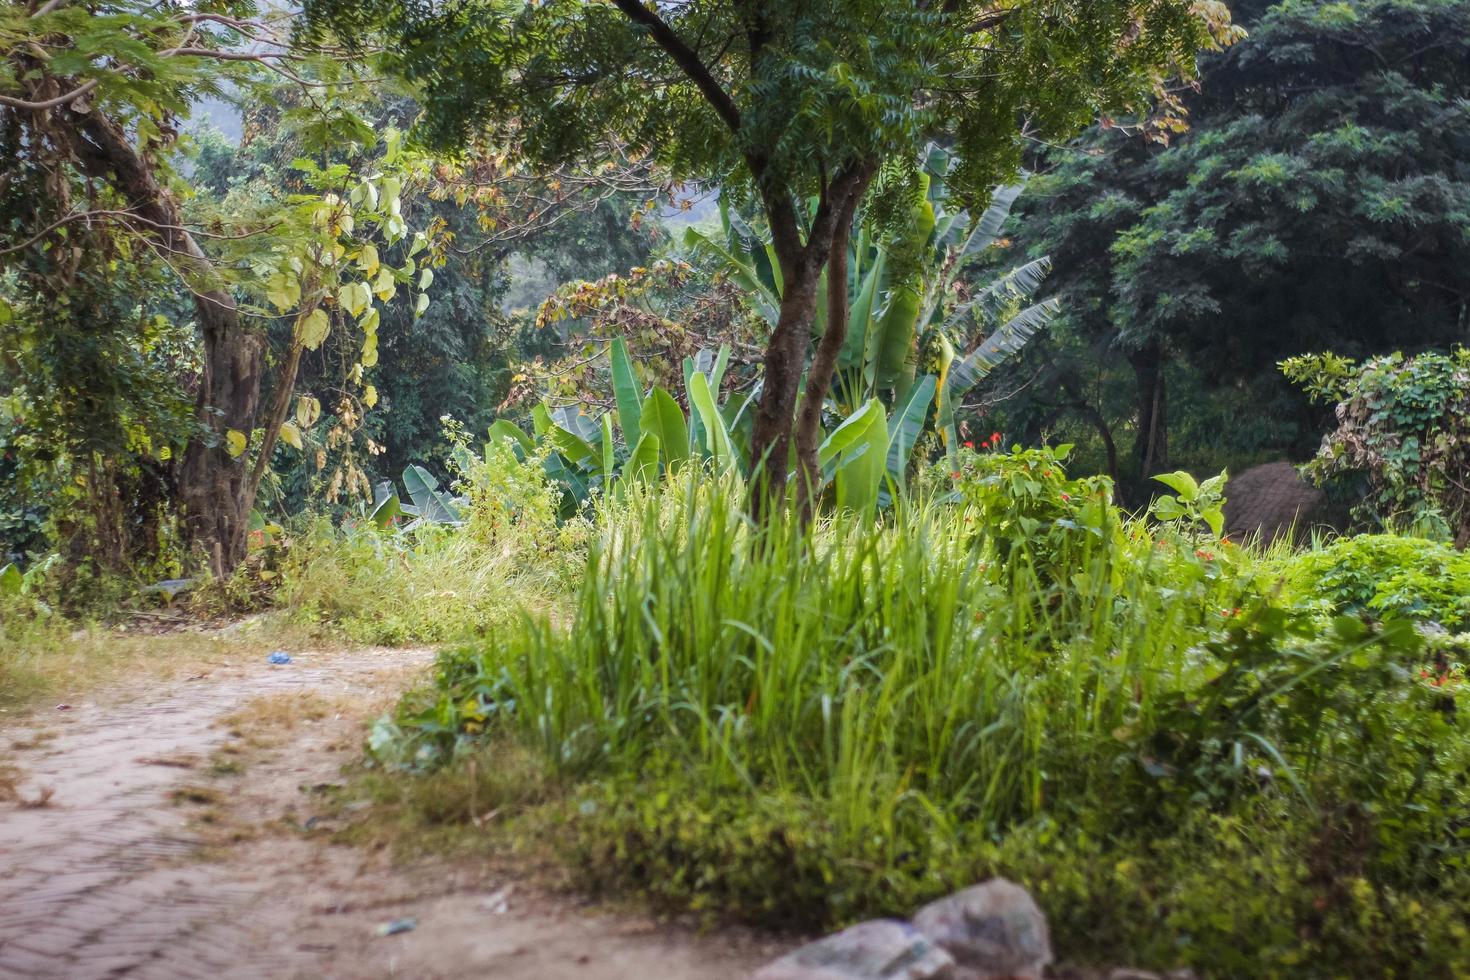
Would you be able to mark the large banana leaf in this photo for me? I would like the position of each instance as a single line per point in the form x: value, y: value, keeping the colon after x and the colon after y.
x: 857, y: 452
x: 905, y: 426
x: 625, y: 392
x: 741, y: 270
x: 717, y: 437
x: 1000, y: 345
x: 642, y: 463
x: 433, y: 506
x: 664, y: 419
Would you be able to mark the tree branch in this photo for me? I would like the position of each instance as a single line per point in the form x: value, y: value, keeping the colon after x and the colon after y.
x: 687, y: 60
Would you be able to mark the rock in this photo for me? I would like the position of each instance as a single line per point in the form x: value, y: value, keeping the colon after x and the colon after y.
x: 883, y: 949
x: 994, y: 931
x: 1269, y: 501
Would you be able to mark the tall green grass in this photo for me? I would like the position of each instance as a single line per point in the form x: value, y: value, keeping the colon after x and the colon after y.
x: 807, y: 725
x: 897, y: 674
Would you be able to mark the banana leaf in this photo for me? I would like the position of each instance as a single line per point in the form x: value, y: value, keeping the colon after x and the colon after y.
x: 625, y: 391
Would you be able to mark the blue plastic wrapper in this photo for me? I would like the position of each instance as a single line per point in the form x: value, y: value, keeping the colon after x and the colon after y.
x: 279, y: 657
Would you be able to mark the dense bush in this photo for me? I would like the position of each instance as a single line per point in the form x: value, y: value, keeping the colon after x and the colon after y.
x: 803, y: 727
x: 1384, y: 575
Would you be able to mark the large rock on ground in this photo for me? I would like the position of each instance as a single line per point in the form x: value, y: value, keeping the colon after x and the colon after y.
x: 884, y: 949
x: 1270, y: 500
x: 994, y: 931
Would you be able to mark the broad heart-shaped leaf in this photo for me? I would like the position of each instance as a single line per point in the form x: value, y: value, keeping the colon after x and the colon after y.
x: 432, y: 505
x: 1215, y: 518
x: 717, y: 438
x: 503, y: 429
x: 625, y: 390
x: 1181, y: 483
x: 859, y: 449
x: 905, y: 425
x: 313, y: 328
x: 663, y: 418
x: 1167, y: 508
x: 11, y: 580
x: 642, y: 463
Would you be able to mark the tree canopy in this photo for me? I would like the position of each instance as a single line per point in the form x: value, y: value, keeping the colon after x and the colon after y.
x: 820, y: 101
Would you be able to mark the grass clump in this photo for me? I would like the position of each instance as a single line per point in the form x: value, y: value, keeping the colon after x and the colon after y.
x: 805, y: 726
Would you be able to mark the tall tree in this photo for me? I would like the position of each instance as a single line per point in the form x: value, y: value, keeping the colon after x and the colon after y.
x: 1320, y: 200
x: 787, y: 101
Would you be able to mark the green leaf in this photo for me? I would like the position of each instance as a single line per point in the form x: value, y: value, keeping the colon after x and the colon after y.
x: 11, y: 580
x: 642, y: 463
x: 432, y: 505
x: 509, y: 431
x: 906, y: 425
x: 625, y: 390
x: 386, y: 505
x: 859, y: 449
x: 608, y: 459
x: 1181, y: 483
x: 662, y: 417
x: 291, y: 435
x: 717, y: 437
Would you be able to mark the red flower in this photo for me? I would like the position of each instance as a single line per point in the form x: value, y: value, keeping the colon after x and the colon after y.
x: 1206, y: 555
x: 970, y: 445
x: 1066, y: 496
x: 995, y: 438
x: 955, y: 475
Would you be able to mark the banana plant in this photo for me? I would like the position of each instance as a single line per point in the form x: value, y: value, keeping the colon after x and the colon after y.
x: 901, y: 319
x: 430, y: 505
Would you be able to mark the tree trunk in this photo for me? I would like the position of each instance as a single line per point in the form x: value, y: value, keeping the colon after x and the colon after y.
x: 824, y: 362
x: 214, y: 485
x: 1151, y: 445
x: 770, y: 442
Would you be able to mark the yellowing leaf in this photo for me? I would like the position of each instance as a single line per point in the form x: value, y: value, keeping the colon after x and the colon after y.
x: 367, y: 260
x: 308, y: 410
x: 290, y: 434
x: 235, y: 442
x: 426, y: 278
x: 313, y: 328
x: 370, y: 396
x: 421, y: 304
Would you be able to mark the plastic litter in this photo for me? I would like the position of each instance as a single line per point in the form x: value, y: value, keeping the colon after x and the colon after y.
x: 396, y: 926
x: 279, y: 657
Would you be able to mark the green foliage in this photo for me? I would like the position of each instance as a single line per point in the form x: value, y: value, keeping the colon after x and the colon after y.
x: 1401, y: 424
x: 1385, y: 576
x: 1194, y: 503
x: 1318, y: 201
x: 811, y: 726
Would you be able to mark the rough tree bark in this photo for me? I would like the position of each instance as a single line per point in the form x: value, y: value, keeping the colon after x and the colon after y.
x: 824, y: 362
x: 215, y: 486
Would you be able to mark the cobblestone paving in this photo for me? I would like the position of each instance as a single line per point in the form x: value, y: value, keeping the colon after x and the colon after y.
x: 108, y: 880
x: 105, y: 880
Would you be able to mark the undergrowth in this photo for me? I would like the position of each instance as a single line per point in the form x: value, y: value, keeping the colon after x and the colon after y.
x: 803, y: 727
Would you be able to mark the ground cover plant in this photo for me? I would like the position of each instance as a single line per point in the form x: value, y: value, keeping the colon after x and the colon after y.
x: 808, y: 726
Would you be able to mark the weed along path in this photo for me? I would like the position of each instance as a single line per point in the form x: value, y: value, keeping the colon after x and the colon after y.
x: 182, y: 831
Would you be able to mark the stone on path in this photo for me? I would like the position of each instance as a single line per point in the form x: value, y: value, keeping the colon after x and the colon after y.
x: 883, y: 949
x: 994, y: 931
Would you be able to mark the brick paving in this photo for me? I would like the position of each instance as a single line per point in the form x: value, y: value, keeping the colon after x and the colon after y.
x: 106, y: 880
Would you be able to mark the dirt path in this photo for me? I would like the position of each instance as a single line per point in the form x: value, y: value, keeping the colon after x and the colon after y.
x: 154, y: 858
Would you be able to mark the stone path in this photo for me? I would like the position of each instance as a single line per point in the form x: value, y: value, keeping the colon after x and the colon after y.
x: 107, y: 879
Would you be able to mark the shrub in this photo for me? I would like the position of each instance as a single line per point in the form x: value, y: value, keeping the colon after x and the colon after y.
x: 1386, y: 575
